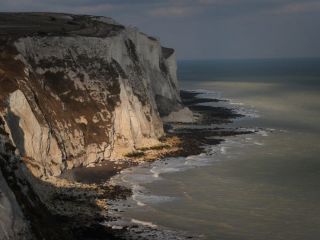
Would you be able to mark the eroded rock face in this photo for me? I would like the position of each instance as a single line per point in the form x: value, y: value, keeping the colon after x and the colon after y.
x: 13, y: 224
x: 34, y: 140
x: 82, y: 89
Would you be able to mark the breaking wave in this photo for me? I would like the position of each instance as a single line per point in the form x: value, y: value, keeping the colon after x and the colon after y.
x: 136, y: 178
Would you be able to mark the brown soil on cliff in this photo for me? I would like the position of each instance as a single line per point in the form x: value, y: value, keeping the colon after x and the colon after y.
x: 55, y: 24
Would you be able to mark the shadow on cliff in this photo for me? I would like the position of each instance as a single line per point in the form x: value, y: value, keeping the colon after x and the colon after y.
x: 16, y: 131
x: 49, y: 225
x: 74, y: 212
x: 29, y: 191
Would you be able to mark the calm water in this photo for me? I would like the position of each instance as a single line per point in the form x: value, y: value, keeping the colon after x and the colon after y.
x: 261, y: 186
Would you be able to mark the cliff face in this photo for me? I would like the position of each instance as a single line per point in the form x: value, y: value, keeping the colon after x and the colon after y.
x: 76, y: 90
x: 13, y: 224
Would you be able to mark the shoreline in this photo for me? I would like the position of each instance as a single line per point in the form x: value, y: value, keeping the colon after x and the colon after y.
x: 84, y: 194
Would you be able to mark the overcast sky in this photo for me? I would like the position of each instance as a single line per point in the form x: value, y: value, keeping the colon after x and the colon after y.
x: 208, y: 29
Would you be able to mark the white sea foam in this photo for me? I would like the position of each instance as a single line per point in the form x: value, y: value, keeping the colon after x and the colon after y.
x: 147, y: 224
x: 191, y: 157
x: 223, y: 150
x: 139, y: 203
x: 247, y: 112
x: 117, y: 227
x: 155, y: 173
x: 143, y: 198
x: 157, y: 170
x: 263, y: 133
x: 137, y: 177
x: 137, y: 192
x: 237, y: 103
x: 237, y: 106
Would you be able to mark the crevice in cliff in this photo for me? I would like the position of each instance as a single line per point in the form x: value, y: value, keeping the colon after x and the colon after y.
x: 132, y: 52
x: 72, y: 81
x: 64, y: 212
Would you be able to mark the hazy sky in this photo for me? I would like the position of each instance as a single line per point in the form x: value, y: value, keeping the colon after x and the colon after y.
x: 202, y: 29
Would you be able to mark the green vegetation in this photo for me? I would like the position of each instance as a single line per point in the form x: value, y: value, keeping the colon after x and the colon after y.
x: 135, y: 154
x: 156, y: 147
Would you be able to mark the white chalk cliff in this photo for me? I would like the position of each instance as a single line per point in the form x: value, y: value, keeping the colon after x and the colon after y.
x: 86, y: 94
x: 76, y: 90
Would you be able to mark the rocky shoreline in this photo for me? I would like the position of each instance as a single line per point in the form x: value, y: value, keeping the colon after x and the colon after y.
x: 75, y: 92
x: 80, y: 196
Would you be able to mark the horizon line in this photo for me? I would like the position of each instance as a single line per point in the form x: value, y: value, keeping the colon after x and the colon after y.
x: 245, y: 58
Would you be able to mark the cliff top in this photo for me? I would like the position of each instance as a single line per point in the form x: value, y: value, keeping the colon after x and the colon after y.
x: 57, y: 24
x: 23, y: 24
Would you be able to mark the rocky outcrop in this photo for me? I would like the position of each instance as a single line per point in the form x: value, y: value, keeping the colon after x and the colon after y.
x: 74, y: 91
x: 77, y: 90
x: 34, y: 140
x: 13, y: 224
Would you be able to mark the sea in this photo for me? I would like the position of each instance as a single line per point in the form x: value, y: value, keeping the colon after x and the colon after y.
x: 259, y: 186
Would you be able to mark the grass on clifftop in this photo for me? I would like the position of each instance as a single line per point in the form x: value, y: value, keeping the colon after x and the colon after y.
x: 135, y: 154
x: 156, y: 147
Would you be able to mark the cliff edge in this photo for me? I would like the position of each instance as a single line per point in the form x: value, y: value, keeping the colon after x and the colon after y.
x: 75, y: 90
